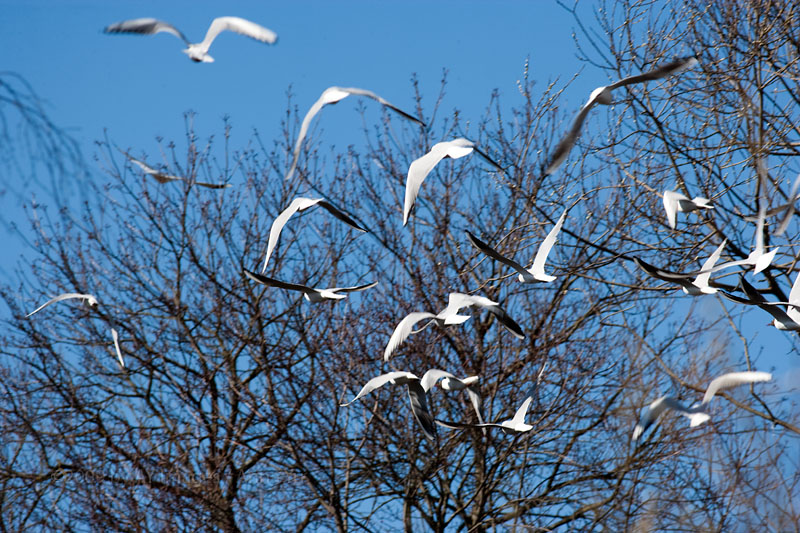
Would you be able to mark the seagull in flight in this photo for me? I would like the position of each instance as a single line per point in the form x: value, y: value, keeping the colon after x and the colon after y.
x: 332, y: 95
x: 448, y: 316
x: 675, y: 201
x: 421, y: 167
x: 697, y: 287
x: 602, y: 95
x: 301, y: 204
x: 536, y: 272
x: 197, y: 52
x: 662, y: 405
x: 91, y: 300
x: 162, y: 177
x: 417, y: 391
x: 311, y: 294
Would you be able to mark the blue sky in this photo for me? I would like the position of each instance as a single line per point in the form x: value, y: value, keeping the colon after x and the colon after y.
x: 138, y: 87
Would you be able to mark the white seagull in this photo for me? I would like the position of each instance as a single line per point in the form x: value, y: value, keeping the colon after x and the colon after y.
x: 197, y: 52
x: 162, y: 177
x: 115, y: 336
x: 91, y: 300
x: 421, y: 167
x: 675, y: 201
x: 311, y: 294
x: 332, y: 95
x: 449, y: 316
x: 417, y: 390
x: 301, y: 204
x: 660, y: 406
x: 697, y: 287
x: 513, y: 425
x: 536, y: 272
x: 602, y: 95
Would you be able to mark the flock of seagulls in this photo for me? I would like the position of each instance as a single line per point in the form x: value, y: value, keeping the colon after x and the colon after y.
x: 694, y: 283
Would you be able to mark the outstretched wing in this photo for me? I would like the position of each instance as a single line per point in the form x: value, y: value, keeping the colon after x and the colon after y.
x: 380, y: 381
x: 494, y: 254
x: 298, y: 204
x: 272, y: 282
x: 145, y: 26
x: 544, y: 250
x: 417, y: 172
x: 402, y: 331
x: 240, y: 26
x: 370, y: 94
x: 733, y: 379
x: 662, y: 71
x: 66, y: 296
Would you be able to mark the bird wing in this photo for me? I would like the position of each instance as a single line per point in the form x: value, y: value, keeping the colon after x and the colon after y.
x: 537, y: 269
x: 298, y: 204
x: 240, y: 26
x: 370, y: 94
x: 432, y: 376
x: 160, y: 177
x: 703, y: 278
x: 417, y: 172
x: 519, y: 416
x: 794, y: 300
x: 756, y: 298
x: 654, y: 410
x: 462, y: 425
x: 419, y: 406
x: 272, y: 282
x: 664, y: 275
x: 341, y: 215
x: 146, y: 26
x: 733, y: 379
x: 115, y: 336
x: 60, y: 297
x: 662, y: 71
x: 402, y: 331
x: 380, y: 381
x: 494, y: 254
x: 488, y: 159
x: 353, y: 289
x: 566, y: 143
x: 506, y: 320
x: 671, y: 199
x: 312, y: 111
x: 475, y: 399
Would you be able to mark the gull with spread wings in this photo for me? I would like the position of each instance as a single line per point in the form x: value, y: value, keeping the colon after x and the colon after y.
x: 675, y: 202
x: 602, y: 95
x: 332, y: 95
x: 417, y: 391
x: 91, y: 300
x: 536, y: 272
x: 163, y: 177
x: 311, y: 294
x: 301, y: 204
x: 448, y: 316
x: 421, y: 167
x: 197, y: 52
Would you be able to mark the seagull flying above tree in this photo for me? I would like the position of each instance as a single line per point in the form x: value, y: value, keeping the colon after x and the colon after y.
x: 301, y: 204
x: 311, y: 294
x: 197, y: 52
x: 602, y: 95
x: 162, y: 177
x: 421, y: 167
x: 332, y: 95
x: 536, y: 272
x: 449, y: 316
x: 91, y: 300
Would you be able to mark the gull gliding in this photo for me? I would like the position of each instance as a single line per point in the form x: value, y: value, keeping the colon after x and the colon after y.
x: 197, y: 52
x: 310, y: 293
x: 91, y: 300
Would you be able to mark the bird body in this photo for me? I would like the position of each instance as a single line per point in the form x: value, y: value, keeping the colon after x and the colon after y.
x: 675, y: 202
x: 660, y: 406
x: 197, y: 52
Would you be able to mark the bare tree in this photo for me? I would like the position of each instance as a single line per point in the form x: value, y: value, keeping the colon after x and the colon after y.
x: 226, y: 415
